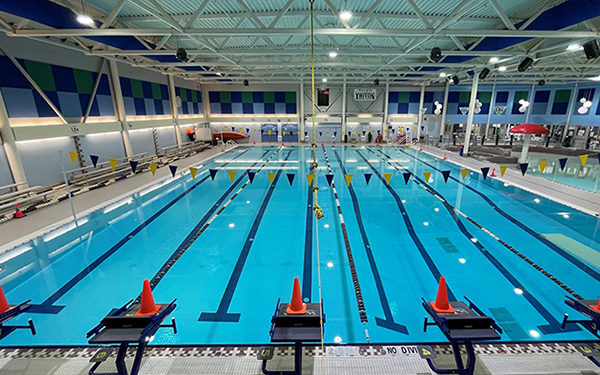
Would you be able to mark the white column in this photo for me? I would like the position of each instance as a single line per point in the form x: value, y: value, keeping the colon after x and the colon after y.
x: 570, y: 111
x: 174, y: 112
x: 471, y: 113
x: 301, y: 114
x: 525, y: 150
x: 386, y: 106
x: 420, y: 123
x: 492, y: 102
x: 344, y: 102
x: 10, y: 147
x: 120, y: 106
x: 205, y: 102
x: 530, y: 104
x: 444, y: 109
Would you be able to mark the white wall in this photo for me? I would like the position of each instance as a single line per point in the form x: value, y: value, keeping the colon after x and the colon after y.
x: 5, y: 174
x: 41, y: 160
x: 104, y: 145
x: 142, y: 141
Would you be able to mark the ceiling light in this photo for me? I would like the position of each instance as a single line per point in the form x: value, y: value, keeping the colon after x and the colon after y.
x: 502, y: 69
x: 219, y: 74
x: 345, y: 15
x: 494, y: 60
x: 84, y: 19
x: 324, y: 79
x: 574, y: 47
x: 595, y: 78
x: 332, y: 54
x: 442, y: 75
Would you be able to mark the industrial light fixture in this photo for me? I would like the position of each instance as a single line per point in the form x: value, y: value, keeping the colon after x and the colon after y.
x: 574, y: 47
x: 502, y: 69
x: 83, y: 18
x: 376, y: 82
x: 484, y: 73
x: 246, y: 83
x: 324, y: 80
x: 494, y: 60
x: 595, y: 78
x: 442, y: 75
x: 333, y: 54
x: 525, y: 64
x: 345, y: 15
x: 456, y: 80
x: 218, y: 73
x: 436, y: 54
x: 181, y: 54
x: 542, y: 82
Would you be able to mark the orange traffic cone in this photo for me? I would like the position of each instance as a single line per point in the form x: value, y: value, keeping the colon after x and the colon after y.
x: 254, y: 142
x: 377, y: 144
x: 4, y: 306
x: 322, y: 144
x: 421, y: 148
x: 282, y: 144
x: 441, y: 304
x: 493, y: 173
x: 446, y: 156
x: 296, y: 307
x: 595, y: 307
x: 19, y: 214
x: 148, y: 307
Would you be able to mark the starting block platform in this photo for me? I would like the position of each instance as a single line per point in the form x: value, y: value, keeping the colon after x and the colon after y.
x: 11, y: 313
x: 592, y: 324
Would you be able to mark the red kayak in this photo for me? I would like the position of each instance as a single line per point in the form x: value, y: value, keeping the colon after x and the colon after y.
x: 226, y: 136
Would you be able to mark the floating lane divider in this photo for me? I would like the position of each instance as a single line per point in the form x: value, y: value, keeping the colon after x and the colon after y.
x: 357, y: 291
x: 578, y: 263
x: 221, y: 315
x: 388, y: 322
x: 203, y: 224
x: 554, y: 325
x: 48, y: 307
x: 308, y: 246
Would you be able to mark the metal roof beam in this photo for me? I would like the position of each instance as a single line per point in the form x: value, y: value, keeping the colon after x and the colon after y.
x: 367, y: 14
x: 196, y: 14
x: 322, y: 31
x: 420, y: 14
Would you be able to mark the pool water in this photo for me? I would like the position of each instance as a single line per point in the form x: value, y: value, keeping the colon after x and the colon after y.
x: 227, y: 262
x: 574, y: 174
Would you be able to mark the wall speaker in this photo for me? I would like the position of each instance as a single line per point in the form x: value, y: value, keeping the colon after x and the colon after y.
x: 181, y: 54
x: 323, y: 97
x: 246, y: 83
x: 484, y: 73
x: 591, y: 49
x: 436, y: 54
x: 542, y: 82
x: 525, y: 64
x: 456, y: 80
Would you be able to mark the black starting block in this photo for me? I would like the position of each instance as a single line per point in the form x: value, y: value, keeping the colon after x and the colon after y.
x: 465, y: 325
x: 13, y: 312
x: 293, y: 328
x: 592, y: 325
x: 122, y: 327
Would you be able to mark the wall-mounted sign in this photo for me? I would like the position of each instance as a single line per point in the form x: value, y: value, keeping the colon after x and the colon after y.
x: 365, y: 95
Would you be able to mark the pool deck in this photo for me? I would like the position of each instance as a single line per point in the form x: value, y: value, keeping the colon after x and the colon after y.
x: 496, y: 359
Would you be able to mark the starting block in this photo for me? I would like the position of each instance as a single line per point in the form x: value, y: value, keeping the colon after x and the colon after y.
x: 593, y: 324
x: 463, y: 326
x: 122, y: 326
x: 12, y: 312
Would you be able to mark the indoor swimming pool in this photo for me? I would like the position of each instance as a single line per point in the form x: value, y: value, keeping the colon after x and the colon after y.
x: 227, y: 261
x: 574, y: 174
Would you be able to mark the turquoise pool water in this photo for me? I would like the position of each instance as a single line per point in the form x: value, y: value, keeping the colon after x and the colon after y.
x: 227, y: 282
x: 574, y: 174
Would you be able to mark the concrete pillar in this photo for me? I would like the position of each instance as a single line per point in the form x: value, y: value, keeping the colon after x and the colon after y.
x: 344, y: 103
x: 420, y: 121
x: 570, y: 111
x: 530, y: 104
x: 301, y: 112
x: 386, y: 106
x: 471, y: 113
x: 10, y: 147
x: 444, y: 109
x: 120, y: 106
x: 492, y: 102
x: 173, y: 99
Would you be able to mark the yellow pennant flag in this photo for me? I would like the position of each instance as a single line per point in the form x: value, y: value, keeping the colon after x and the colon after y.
x: 269, y: 132
x: 254, y: 130
x: 310, y: 177
x: 371, y: 132
x: 543, y: 164
x: 240, y: 129
x: 427, y: 175
x: 231, y: 175
x: 73, y: 156
x: 153, y: 167
x: 356, y: 133
x: 388, y: 177
x: 327, y: 133
x: 465, y: 172
x: 192, y: 172
x: 583, y: 160
x: 226, y: 128
x: 113, y: 163
x: 271, y: 177
x: 502, y: 170
x: 385, y: 131
x: 348, y: 178
x: 284, y: 132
